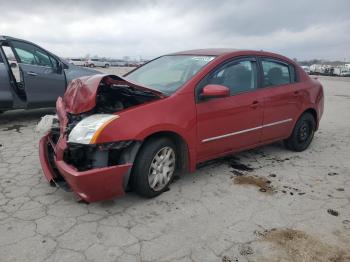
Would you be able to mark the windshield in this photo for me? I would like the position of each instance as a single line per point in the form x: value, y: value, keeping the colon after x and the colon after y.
x: 167, y: 73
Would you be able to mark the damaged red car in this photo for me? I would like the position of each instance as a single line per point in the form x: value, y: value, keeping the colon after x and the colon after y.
x: 113, y: 133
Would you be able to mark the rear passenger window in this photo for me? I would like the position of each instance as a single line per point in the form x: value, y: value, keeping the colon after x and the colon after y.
x: 276, y: 74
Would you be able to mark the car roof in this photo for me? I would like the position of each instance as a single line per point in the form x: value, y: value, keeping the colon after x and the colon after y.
x: 219, y: 52
x: 207, y: 51
x: 5, y: 37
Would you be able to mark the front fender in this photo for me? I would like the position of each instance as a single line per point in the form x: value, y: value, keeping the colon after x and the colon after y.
x: 173, y: 114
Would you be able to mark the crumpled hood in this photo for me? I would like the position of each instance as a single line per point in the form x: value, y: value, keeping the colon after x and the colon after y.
x: 80, y: 95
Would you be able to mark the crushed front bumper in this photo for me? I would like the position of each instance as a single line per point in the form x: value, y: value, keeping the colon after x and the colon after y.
x: 92, y: 185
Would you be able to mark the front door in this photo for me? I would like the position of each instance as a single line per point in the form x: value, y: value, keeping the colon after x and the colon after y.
x: 232, y: 123
x: 41, y: 76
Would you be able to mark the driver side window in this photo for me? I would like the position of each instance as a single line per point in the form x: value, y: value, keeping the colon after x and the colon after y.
x: 31, y: 55
x: 239, y: 76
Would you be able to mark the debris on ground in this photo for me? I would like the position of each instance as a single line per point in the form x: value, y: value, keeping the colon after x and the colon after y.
x: 333, y: 174
x: 239, y: 166
x: 262, y: 183
x: 333, y: 212
x: 17, y: 128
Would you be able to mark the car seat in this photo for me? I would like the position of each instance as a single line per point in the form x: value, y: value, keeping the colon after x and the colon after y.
x: 237, y: 79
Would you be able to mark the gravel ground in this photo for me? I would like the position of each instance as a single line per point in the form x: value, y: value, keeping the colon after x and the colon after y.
x: 287, y: 206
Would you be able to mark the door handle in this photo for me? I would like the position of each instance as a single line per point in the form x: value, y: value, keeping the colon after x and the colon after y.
x: 32, y: 74
x: 296, y: 93
x: 255, y: 104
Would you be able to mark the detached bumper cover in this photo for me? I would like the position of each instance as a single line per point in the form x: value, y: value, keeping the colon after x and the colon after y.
x: 92, y: 185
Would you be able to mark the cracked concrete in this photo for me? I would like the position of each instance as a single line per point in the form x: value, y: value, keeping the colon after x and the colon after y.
x: 204, y: 217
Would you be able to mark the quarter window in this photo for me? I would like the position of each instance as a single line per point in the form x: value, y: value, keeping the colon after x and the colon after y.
x: 275, y: 73
x: 238, y: 76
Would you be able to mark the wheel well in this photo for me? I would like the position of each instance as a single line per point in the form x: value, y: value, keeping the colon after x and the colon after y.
x: 181, y: 147
x: 314, y: 114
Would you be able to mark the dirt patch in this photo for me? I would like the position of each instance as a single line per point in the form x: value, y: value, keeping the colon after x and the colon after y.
x: 246, y: 250
x: 262, y: 183
x: 17, y: 128
x: 300, y: 246
x: 228, y: 259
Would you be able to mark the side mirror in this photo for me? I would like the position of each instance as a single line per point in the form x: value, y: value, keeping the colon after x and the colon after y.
x: 65, y: 66
x: 13, y: 65
x: 213, y: 91
x: 61, y: 66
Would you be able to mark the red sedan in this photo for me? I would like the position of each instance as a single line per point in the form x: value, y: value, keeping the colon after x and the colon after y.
x: 112, y: 133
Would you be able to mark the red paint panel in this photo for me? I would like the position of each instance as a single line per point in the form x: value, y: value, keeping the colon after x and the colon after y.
x: 223, y: 116
x: 96, y: 184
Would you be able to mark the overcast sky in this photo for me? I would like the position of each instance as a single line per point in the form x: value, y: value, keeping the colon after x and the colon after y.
x: 303, y: 29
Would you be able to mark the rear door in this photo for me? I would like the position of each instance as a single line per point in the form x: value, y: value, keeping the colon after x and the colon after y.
x: 43, y: 79
x: 282, y: 98
x: 230, y: 123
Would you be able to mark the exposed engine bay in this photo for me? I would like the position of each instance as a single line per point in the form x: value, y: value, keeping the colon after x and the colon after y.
x: 112, y: 98
x: 113, y: 95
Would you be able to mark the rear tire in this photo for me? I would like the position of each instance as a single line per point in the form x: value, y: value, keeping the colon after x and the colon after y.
x: 154, y: 167
x: 303, y: 133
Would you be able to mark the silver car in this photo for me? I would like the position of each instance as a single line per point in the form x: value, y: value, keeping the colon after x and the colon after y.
x: 32, y: 77
x: 94, y: 62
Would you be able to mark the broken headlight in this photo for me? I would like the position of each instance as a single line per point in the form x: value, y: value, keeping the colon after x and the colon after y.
x: 88, y: 129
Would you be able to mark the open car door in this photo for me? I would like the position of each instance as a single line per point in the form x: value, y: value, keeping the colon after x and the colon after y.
x: 41, y: 75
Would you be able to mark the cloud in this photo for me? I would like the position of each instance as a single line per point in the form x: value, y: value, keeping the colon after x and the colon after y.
x: 302, y: 29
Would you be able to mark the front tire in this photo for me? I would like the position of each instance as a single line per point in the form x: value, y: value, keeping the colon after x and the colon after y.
x: 303, y: 133
x: 154, y: 167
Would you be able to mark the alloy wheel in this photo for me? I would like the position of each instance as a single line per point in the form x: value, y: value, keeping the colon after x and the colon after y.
x: 162, y: 168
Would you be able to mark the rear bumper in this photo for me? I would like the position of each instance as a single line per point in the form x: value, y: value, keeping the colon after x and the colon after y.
x: 92, y: 185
